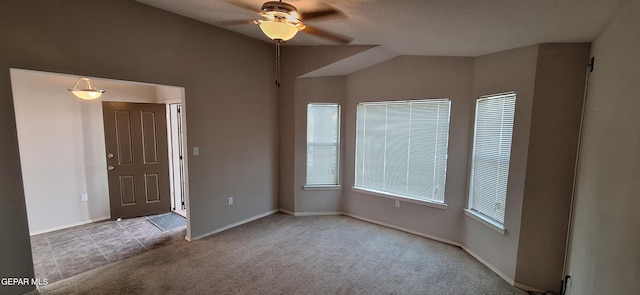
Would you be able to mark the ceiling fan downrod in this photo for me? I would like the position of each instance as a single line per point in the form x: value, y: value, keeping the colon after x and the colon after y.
x: 278, y: 63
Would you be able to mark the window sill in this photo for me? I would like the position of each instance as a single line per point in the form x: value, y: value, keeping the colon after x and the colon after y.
x: 318, y: 187
x: 488, y: 222
x: 442, y: 206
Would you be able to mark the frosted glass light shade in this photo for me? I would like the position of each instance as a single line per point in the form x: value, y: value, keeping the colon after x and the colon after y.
x: 87, y: 94
x: 85, y: 89
x: 278, y: 30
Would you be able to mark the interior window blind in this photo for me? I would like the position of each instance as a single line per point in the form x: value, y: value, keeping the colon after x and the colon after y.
x: 323, y: 144
x: 401, y: 148
x: 491, y: 154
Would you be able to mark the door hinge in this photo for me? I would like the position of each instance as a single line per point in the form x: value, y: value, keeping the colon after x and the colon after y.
x: 565, y: 284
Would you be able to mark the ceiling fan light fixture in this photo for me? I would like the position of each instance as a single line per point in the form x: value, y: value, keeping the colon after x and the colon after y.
x: 85, y: 89
x: 279, y: 30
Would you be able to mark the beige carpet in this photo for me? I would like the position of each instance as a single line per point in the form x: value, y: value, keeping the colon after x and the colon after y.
x: 282, y: 254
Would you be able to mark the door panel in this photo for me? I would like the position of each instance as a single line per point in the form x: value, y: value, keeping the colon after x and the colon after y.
x: 152, y: 186
x: 123, y: 137
x: 149, y: 140
x: 137, y: 158
x: 127, y: 191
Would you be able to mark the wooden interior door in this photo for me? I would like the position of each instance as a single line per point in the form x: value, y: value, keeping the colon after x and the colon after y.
x: 137, y: 158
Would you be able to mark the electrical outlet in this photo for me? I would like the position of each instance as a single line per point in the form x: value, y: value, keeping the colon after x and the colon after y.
x: 230, y: 200
x: 397, y: 203
x: 84, y: 197
x: 196, y: 151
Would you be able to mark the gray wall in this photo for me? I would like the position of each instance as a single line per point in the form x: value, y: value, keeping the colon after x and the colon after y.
x: 512, y: 70
x: 231, y: 102
x: 553, y: 142
x: 310, y: 90
x: 414, y: 77
x: 604, y: 256
x: 549, y: 82
x: 297, y: 61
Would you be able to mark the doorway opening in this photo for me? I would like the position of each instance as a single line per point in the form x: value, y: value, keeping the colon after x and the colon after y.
x: 65, y: 173
x: 176, y: 164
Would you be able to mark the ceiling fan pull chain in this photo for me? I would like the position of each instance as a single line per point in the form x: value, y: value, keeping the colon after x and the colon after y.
x: 277, y: 63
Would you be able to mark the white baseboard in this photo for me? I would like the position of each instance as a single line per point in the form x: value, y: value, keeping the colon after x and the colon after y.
x: 527, y: 288
x: 286, y: 212
x: 42, y: 231
x: 241, y: 222
x: 453, y: 243
x: 316, y: 213
x: 439, y: 239
x: 509, y: 280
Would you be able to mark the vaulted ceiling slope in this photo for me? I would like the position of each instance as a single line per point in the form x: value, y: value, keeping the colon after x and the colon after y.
x: 427, y: 27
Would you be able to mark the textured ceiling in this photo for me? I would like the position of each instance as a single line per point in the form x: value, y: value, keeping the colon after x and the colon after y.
x: 428, y: 27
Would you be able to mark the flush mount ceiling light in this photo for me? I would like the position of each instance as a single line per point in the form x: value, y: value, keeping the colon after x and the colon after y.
x: 85, y: 89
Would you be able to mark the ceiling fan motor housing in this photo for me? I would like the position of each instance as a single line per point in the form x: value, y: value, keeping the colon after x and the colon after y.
x: 277, y: 6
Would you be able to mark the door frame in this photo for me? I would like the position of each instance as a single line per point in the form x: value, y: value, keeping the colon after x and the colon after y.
x: 185, y: 155
x: 175, y: 138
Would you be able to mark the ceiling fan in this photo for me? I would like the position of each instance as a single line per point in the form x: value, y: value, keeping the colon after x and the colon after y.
x: 281, y: 21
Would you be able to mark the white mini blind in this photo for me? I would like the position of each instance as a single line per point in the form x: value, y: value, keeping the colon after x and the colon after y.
x: 492, y: 154
x: 323, y: 138
x: 401, y: 148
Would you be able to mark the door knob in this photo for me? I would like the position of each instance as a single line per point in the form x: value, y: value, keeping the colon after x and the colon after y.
x: 110, y: 168
x: 109, y: 155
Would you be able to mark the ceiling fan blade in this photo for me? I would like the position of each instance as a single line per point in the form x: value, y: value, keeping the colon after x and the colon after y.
x: 327, y: 12
x: 242, y: 5
x: 327, y: 35
x: 236, y: 22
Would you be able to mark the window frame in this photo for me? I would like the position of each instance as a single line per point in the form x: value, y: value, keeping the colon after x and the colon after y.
x: 470, y: 211
x: 431, y: 201
x: 336, y: 185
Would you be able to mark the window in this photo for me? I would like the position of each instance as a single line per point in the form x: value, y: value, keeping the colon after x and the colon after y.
x: 323, y: 144
x: 401, y: 148
x: 491, y: 155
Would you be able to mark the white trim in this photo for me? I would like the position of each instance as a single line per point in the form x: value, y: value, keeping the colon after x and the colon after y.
x: 316, y: 213
x: 286, y: 212
x: 173, y: 100
x: 509, y: 280
x: 417, y: 233
x: 527, y: 288
x: 320, y: 187
x: 488, y: 222
x: 446, y: 241
x: 338, y: 142
x: 498, y: 95
x: 309, y: 213
x: 230, y: 226
x: 68, y: 225
x: 392, y: 196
